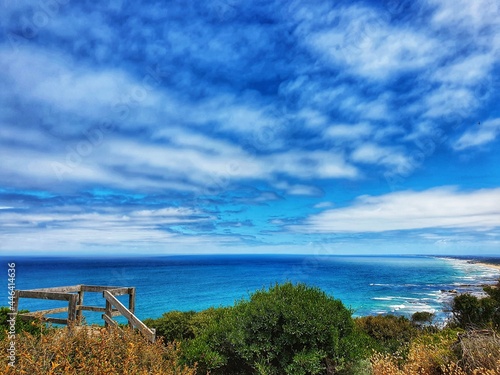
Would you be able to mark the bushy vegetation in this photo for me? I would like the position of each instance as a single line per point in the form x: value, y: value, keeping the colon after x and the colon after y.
x: 35, y: 327
x: 255, y: 336
x: 422, y: 318
x: 469, y: 345
x: 287, y: 329
x: 445, y: 352
x: 92, y: 351
x: 472, y: 312
x: 173, y: 325
x: 389, y: 333
x: 292, y: 329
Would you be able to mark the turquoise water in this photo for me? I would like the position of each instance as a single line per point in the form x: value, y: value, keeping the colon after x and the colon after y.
x: 367, y: 284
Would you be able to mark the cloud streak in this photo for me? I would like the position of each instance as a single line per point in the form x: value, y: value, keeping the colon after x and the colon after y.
x: 442, y: 208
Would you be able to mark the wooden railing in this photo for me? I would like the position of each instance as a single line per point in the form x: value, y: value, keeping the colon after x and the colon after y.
x: 112, y: 301
x: 75, y: 297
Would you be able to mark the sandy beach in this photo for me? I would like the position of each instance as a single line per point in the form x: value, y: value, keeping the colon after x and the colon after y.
x: 489, y: 265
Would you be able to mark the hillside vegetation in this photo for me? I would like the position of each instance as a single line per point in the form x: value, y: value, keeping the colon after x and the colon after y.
x: 287, y: 329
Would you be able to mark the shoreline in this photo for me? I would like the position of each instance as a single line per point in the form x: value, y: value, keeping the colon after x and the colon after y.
x: 477, y: 274
x: 475, y: 262
x: 486, y: 264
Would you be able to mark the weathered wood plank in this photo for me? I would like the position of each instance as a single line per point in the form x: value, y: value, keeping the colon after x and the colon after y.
x: 150, y: 335
x: 121, y: 308
x: 131, y: 303
x: 59, y: 289
x: 15, y: 306
x: 45, y: 312
x: 72, y: 307
x: 98, y: 288
x: 45, y: 295
x: 56, y: 320
x: 119, y: 291
x: 108, y: 312
x: 109, y: 321
x: 45, y: 319
x: 81, y: 295
x: 131, y: 300
x: 92, y: 308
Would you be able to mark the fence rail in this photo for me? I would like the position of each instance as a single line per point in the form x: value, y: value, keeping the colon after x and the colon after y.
x: 111, y: 301
x: 75, y: 295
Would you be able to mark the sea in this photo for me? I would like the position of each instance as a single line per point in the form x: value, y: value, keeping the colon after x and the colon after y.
x: 368, y: 285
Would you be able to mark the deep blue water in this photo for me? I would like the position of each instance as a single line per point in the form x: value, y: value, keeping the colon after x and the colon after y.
x: 367, y: 284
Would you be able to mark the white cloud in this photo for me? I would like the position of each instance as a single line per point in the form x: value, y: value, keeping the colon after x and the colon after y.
x: 479, y: 135
x: 82, y: 95
x: 167, y: 212
x: 323, y: 205
x: 314, y: 164
x: 368, y: 45
x: 370, y: 153
x: 345, y: 132
x: 473, y: 16
x: 102, y: 217
x: 299, y: 189
x: 449, y: 100
x: 469, y: 70
x: 408, y: 210
x: 72, y: 228
x: 312, y: 118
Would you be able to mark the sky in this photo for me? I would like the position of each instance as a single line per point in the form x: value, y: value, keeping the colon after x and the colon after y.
x: 231, y: 126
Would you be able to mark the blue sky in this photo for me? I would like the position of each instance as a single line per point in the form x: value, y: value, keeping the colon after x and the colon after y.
x: 231, y: 126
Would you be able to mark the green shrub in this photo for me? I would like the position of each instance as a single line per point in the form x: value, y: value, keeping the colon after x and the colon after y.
x: 390, y: 333
x: 288, y: 329
x: 35, y: 327
x: 494, y: 292
x: 472, y: 312
x: 422, y: 317
x: 173, y: 325
x: 494, y: 295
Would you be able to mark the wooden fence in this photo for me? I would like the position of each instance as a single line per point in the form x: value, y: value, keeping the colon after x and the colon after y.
x: 75, y: 297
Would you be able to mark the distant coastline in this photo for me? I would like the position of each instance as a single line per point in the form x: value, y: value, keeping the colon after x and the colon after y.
x: 487, y: 264
x: 490, y: 262
x: 479, y: 273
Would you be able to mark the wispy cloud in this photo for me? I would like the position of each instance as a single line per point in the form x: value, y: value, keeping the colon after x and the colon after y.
x: 410, y: 210
x: 483, y: 134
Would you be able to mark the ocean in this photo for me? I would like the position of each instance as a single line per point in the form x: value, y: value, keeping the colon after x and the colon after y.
x: 367, y: 284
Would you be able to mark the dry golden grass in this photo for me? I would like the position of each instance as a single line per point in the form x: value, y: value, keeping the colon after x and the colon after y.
x: 479, y: 354
x: 94, y: 351
x: 480, y: 349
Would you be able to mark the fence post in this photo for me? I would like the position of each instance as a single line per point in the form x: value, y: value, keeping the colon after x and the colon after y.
x: 109, y: 312
x: 80, y: 303
x: 131, y: 303
x: 73, y: 300
x: 15, y: 302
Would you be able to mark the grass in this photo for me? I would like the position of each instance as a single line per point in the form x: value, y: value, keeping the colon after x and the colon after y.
x: 469, y: 353
x: 97, y: 351
x: 92, y: 351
